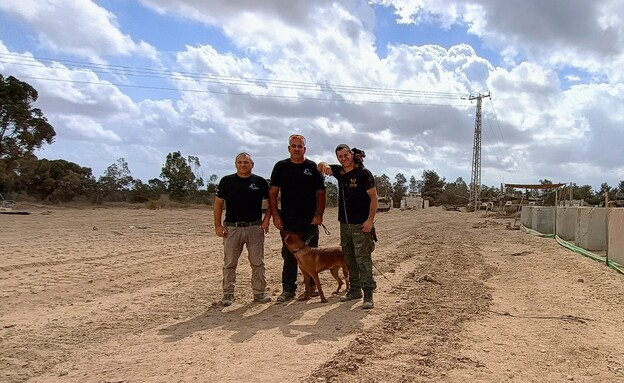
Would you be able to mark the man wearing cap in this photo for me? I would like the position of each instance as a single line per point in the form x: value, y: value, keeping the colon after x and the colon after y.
x: 242, y: 193
x: 302, y: 196
x: 357, y: 196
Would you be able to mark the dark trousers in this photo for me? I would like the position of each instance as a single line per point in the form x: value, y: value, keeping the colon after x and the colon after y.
x: 289, y: 272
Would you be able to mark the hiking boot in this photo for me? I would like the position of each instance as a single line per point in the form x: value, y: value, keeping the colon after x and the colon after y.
x: 286, y: 296
x: 262, y: 298
x: 368, y: 300
x: 351, y: 295
x: 227, y: 300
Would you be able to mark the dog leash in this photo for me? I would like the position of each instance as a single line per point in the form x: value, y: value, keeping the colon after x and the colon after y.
x: 383, y: 275
x: 327, y: 232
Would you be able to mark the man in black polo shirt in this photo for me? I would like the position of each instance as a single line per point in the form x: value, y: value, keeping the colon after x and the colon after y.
x: 357, y: 206
x: 302, y: 190
x: 242, y: 193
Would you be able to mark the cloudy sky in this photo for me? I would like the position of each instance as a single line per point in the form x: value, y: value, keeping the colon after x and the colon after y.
x: 397, y: 78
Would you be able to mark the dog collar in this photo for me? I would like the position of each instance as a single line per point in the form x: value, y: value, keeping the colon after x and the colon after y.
x: 299, y: 249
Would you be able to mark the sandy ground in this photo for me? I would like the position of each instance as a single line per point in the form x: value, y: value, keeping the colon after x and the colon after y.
x: 132, y: 295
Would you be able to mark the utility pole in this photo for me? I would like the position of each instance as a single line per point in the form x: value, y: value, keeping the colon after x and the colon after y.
x: 475, y: 179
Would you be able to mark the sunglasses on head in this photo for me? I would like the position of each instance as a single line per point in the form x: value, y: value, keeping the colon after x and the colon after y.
x: 298, y: 137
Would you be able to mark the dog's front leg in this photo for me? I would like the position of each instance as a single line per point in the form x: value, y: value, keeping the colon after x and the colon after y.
x: 317, y: 280
x: 307, y: 281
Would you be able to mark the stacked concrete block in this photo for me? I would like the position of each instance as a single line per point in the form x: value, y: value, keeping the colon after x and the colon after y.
x: 591, y: 228
x: 526, y: 215
x: 414, y: 203
x: 543, y: 219
x: 565, y: 223
x: 615, y: 234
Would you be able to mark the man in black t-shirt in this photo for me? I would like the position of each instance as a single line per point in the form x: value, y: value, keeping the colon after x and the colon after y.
x: 242, y: 193
x: 302, y: 190
x: 357, y: 206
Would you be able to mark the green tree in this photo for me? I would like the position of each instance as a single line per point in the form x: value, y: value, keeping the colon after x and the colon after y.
x: 212, y: 183
x: 140, y: 192
x: 179, y: 176
x: 23, y: 129
x: 432, y: 186
x: 488, y: 192
x: 414, y: 185
x: 605, y: 189
x: 61, y: 181
x: 116, y: 181
x: 399, y: 189
x: 584, y: 192
x: 331, y: 190
x: 455, y: 193
x: 157, y: 187
x: 23, y: 174
x: 383, y: 185
x: 194, y: 164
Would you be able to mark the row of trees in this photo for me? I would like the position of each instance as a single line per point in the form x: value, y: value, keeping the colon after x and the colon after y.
x: 63, y: 181
x: 24, y: 129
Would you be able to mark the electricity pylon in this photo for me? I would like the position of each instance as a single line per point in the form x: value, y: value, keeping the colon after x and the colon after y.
x: 475, y: 178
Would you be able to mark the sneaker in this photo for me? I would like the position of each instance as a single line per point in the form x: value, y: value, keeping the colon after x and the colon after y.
x: 351, y: 295
x: 227, y: 300
x: 262, y: 298
x: 286, y: 296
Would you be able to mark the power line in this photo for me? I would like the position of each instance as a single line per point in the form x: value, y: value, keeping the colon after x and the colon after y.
x: 208, y: 78
x: 238, y: 93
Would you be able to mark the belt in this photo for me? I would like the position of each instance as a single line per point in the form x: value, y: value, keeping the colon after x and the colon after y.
x: 242, y: 224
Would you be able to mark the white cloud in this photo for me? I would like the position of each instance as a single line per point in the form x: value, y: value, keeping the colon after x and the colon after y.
x: 79, y: 27
x: 81, y: 128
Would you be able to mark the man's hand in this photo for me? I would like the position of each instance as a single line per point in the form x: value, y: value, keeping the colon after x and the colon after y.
x: 367, y: 226
x: 265, y: 227
x: 277, y: 222
x: 317, y: 219
x: 221, y: 231
x: 324, y: 168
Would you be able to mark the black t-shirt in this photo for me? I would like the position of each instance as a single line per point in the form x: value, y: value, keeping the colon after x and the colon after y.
x: 298, y: 185
x: 243, y: 197
x: 353, y: 198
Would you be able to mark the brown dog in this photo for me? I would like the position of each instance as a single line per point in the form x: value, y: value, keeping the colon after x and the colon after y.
x: 314, y: 260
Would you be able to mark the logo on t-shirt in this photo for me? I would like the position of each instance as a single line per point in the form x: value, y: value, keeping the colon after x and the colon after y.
x: 352, y: 182
x: 253, y: 186
x: 307, y: 172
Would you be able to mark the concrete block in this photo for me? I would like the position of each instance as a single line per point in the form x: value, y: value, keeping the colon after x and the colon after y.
x: 543, y: 219
x: 615, y: 234
x: 565, y: 223
x: 526, y: 215
x: 591, y: 228
x: 414, y: 203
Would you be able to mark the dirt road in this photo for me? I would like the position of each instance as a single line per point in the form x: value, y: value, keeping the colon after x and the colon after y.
x: 132, y: 295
